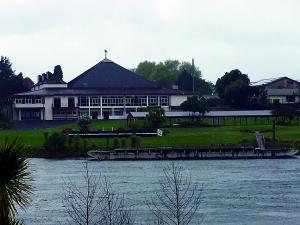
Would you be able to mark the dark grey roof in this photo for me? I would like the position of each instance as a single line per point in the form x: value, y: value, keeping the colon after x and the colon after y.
x: 105, y: 91
x: 282, y: 92
x: 107, y: 74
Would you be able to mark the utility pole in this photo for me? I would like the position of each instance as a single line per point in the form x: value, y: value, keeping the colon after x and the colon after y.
x: 193, y: 71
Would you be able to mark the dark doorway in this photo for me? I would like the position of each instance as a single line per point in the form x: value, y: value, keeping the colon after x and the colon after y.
x: 94, y: 115
x: 106, y: 115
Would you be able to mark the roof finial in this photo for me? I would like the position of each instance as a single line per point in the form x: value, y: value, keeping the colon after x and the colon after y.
x: 105, y: 54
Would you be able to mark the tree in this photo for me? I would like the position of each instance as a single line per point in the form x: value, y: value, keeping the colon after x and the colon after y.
x: 113, y: 210
x: 81, y: 202
x: 234, y: 88
x: 178, y: 198
x: 165, y: 73
x: 193, y: 104
x: 186, y: 81
x: 95, y: 202
x: 27, y: 84
x: 57, y: 74
x: 10, y: 83
x: 15, y: 180
x: 155, y: 117
x: 228, y: 78
x: 285, y: 113
x: 84, y: 122
x: 145, y: 69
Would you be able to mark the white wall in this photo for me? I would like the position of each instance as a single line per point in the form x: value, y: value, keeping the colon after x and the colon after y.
x: 48, y: 108
x: 63, y: 101
x: 176, y: 100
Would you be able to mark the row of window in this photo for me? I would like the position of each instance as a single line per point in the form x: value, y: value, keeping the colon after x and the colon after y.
x: 29, y: 100
x: 121, y: 101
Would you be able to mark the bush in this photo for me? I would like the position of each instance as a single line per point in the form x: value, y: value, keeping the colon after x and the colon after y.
x: 135, y: 141
x: 55, y: 142
x: 84, y: 122
x: 116, y: 143
x: 123, y: 143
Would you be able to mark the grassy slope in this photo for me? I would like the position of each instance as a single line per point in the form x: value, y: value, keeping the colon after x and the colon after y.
x: 176, y: 136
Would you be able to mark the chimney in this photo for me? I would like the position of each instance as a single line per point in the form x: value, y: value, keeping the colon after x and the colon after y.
x: 39, y: 78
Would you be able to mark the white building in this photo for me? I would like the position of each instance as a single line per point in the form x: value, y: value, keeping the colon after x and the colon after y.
x: 105, y: 91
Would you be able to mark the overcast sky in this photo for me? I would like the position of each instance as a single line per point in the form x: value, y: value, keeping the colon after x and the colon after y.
x: 259, y: 37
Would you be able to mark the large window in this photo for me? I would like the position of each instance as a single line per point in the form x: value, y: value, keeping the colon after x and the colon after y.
x: 57, y: 103
x: 95, y: 101
x: 29, y: 100
x: 164, y: 100
x: 153, y: 100
x: 30, y: 114
x: 291, y: 98
x: 71, y: 102
x: 83, y: 101
x: 136, y: 101
x: 112, y: 101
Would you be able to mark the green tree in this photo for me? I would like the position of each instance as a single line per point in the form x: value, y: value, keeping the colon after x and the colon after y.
x: 15, y: 180
x: 145, y: 69
x: 156, y: 116
x: 195, y: 105
x: 166, y: 73
x: 186, y: 81
x: 10, y: 83
x: 58, y: 73
x: 84, y: 122
x: 228, y: 78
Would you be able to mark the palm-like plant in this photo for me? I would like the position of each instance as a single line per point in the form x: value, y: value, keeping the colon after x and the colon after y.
x: 15, y: 180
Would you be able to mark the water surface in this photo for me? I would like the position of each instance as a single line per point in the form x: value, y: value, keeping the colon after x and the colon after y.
x: 235, y: 192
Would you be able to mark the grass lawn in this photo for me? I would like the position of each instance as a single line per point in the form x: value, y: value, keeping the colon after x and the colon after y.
x: 175, y: 137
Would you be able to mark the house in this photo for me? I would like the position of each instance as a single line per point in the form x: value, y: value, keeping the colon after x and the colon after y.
x: 105, y: 91
x: 281, y: 90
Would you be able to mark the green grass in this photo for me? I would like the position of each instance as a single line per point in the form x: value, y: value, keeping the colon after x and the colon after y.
x: 175, y: 137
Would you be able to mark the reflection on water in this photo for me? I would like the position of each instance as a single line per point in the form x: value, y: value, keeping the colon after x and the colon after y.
x: 235, y: 192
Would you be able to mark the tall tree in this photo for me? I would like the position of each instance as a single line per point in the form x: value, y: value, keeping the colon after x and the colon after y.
x: 145, y: 69
x: 167, y: 72
x: 195, y: 105
x: 10, y: 83
x: 186, y: 81
x: 229, y: 77
x: 177, y: 200
x: 57, y: 74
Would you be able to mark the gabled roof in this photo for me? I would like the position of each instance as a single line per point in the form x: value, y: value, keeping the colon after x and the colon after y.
x: 271, y: 81
x: 107, y: 74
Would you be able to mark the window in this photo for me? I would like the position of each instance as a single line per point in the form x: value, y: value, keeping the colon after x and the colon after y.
x: 164, y: 100
x: 118, y: 112
x: 57, y: 103
x: 153, y: 101
x: 83, y: 101
x: 71, y: 102
x: 291, y: 98
x: 95, y: 101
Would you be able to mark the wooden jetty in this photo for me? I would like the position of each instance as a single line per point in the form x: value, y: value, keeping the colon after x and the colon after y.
x: 192, y: 153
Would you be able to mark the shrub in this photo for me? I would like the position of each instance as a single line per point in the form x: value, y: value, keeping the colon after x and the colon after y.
x: 123, y: 143
x: 55, y: 142
x: 135, y: 141
x: 84, y: 122
x: 116, y: 143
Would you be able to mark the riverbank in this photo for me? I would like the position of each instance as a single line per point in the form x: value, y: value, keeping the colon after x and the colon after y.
x: 208, y: 135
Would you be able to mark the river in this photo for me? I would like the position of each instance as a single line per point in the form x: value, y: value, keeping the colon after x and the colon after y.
x: 235, y: 192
